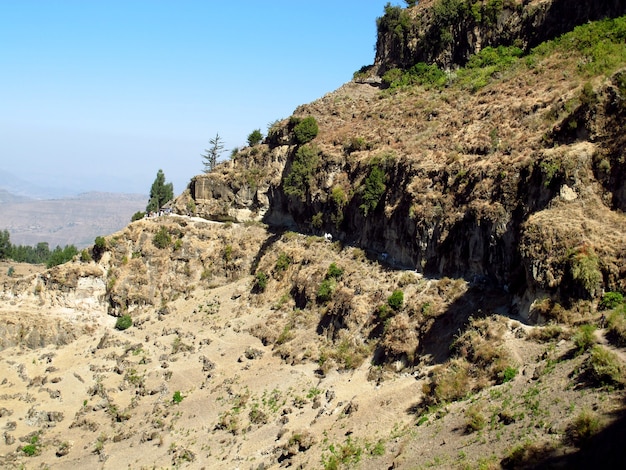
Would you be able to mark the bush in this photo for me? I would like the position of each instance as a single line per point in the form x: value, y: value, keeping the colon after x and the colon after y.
x: 10, y: 271
x: 396, y: 300
x: 474, y: 419
x: 334, y: 272
x: 282, y: 263
x: 427, y: 75
x: 137, y: 216
x: 584, y: 338
x: 326, y: 289
x: 85, y: 257
x: 298, y: 182
x: 305, y: 130
x: 508, y: 374
x: 617, y: 328
x: 584, y: 267
x: 177, y: 397
x: 373, y: 189
x: 255, y: 137
x: 610, y: 300
x: 603, y: 367
x: 99, y: 247
x: 124, y: 322
x: 448, y: 383
x: 489, y: 62
x: 585, y: 426
x: 260, y: 281
x: 162, y: 238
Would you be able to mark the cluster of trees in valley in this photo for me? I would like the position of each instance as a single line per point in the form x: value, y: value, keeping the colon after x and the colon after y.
x: 38, y: 254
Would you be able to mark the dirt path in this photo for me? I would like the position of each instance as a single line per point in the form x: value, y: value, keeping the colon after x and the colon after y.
x: 600, y: 335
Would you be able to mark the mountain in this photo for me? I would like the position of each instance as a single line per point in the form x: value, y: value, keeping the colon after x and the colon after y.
x: 76, y: 220
x: 20, y: 187
x: 423, y: 268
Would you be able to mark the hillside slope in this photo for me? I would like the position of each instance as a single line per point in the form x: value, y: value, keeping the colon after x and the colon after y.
x: 434, y: 278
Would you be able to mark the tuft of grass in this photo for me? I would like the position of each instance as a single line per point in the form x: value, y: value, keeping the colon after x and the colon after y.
x: 584, y: 427
x: 584, y: 338
x: 604, y: 368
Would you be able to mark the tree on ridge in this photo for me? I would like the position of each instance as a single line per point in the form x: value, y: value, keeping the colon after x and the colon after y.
x: 160, y: 193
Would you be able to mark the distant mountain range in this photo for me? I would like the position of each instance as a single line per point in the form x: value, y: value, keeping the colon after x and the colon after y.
x: 16, y: 186
x: 76, y: 219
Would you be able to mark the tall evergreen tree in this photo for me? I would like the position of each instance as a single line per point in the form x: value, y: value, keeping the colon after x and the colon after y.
x: 210, y: 155
x: 160, y: 193
x: 5, y: 244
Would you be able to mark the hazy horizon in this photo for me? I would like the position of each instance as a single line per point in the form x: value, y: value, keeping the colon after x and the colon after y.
x: 100, y: 96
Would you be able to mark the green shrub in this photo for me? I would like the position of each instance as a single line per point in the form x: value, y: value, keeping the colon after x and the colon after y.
x: 508, y: 374
x: 474, y: 419
x: 373, y: 189
x: 584, y: 268
x: 305, y: 130
x: 177, y: 397
x: 100, y: 243
x: 338, y: 196
x: 30, y: 449
x: 427, y: 75
x: 255, y: 137
x: 396, y: 299
x: 137, y: 216
x: 162, y: 238
x: 260, y: 281
x: 334, y: 272
x: 85, y: 257
x: 617, y: 328
x: 395, y: 20
x: 124, y: 322
x: 10, y: 271
x: 282, y: 263
x: 604, y: 368
x: 228, y: 253
x: 610, y: 300
x: 298, y: 182
x: 317, y: 220
x: 326, y: 289
x: 482, y: 67
x: 584, y: 338
x: 356, y: 144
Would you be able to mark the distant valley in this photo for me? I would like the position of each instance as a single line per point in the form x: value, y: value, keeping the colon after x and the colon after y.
x: 73, y: 220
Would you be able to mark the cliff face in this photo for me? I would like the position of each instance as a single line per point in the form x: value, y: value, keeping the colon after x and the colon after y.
x: 448, y: 32
x: 513, y: 178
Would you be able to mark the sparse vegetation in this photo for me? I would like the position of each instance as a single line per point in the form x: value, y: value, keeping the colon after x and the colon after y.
x: 298, y: 181
x: 260, y: 281
x: 305, y: 130
x: 124, y: 322
x: 396, y: 300
x: 177, y: 397
x: 373, y: 189
x: 162, y: 239
x: 255, y: 137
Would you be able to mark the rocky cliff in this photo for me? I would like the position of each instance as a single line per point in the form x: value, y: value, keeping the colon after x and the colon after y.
x: 449, y: 32
x: 432, y: 255
x: 507, y: 174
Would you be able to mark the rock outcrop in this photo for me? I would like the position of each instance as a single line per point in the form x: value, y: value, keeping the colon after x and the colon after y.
x: 460, y: 183
x: 449, y: 32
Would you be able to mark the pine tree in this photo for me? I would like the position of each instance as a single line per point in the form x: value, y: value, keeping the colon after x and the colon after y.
x: 212, y: 154
x: 160, y: 193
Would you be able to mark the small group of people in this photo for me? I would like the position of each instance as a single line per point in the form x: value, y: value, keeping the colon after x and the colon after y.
x: 159, y: 213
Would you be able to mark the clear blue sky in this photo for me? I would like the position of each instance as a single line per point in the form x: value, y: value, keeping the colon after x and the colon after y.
x: 98, y: 95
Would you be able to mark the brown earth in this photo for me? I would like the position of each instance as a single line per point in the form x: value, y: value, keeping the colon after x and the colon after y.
x: 103, y: 398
